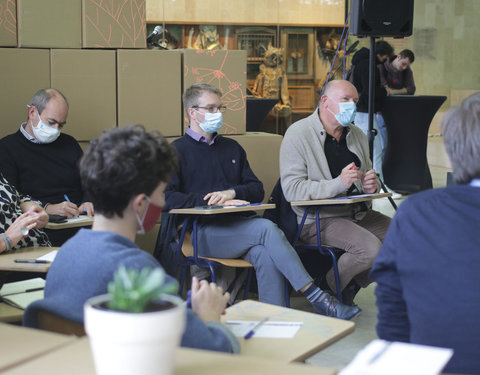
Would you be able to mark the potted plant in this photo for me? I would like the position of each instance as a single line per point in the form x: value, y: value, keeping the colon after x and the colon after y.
x: 137, y: 326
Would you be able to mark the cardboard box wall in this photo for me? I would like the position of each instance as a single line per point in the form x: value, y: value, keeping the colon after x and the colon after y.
x: 226, y: 70
x: 88, y: 79
x: 24, y: 72
x: 149, y: 90
x: 49, y: 23
x: 8, y: 23
x: 81, y: 23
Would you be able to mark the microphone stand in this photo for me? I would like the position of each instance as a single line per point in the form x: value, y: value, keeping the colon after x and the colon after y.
x: 372, y: 133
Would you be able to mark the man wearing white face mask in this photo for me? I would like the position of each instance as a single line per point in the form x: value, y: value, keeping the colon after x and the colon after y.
x: 325, y: 155
x: 42, y: 162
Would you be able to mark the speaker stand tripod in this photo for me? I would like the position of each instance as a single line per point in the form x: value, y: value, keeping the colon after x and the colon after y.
x: 372, y: 133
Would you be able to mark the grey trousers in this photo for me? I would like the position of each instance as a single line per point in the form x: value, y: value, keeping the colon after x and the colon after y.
x: 260, y: 242
x: 361, y: 241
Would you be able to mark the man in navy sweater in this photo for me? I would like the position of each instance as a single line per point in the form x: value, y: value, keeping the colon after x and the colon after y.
x: 428, y: 268
x: 214, y: 171
x: 42, y: 162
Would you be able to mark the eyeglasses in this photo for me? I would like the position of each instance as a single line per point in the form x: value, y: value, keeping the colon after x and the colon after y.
x: 222, y: 108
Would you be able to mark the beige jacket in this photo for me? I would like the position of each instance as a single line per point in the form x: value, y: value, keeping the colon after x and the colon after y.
x: 304, y: 170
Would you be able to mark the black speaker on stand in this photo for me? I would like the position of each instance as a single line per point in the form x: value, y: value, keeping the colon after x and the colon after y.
x: 379, y: 18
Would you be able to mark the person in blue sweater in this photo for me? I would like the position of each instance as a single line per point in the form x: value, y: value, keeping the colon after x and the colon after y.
x: 427, y: 271
x: 214, y: 170
x: 125, y: 173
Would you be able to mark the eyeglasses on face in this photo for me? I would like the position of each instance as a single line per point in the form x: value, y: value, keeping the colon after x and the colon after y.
x: 212, y: 109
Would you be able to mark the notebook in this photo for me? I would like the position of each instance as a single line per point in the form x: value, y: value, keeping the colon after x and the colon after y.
x: 20, y: 294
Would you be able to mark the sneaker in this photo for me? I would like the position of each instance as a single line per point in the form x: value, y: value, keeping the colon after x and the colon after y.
x: 330, y: 306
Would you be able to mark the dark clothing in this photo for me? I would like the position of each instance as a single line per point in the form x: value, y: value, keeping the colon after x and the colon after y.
x: 361, y: 78
x: 428, y: 275
x: 43, y: 171
x: 207, y: 168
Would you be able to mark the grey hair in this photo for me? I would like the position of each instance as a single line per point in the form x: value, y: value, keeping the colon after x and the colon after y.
x: 191, y: 95
x: 41, y: 98
x: 461, y: 133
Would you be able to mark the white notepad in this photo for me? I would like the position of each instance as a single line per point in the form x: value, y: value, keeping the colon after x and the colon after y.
x: 22, y: 293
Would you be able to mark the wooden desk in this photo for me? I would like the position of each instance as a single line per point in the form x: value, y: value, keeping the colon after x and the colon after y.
x: 316, y: 333
x: 341, y: 200
x: 72, y: 223
x: 224, y: 210
x: 9, y: 314
x: 7, y: 260
x: 76, y: 359
x: 20, y: 344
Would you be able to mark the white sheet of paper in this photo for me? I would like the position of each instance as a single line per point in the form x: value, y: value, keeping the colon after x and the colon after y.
x: 397, y: 358
x: 49, y: 256
x: 270, y: 329
x: 78, y: 218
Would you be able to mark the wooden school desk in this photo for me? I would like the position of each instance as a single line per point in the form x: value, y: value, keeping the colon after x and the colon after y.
x: 20, y: 344
x: 75, y: 358
x: 342, y: 200
x: 9, y: 314
x: 316, y: 333
x: 81, y: 221
x: 7, y: 260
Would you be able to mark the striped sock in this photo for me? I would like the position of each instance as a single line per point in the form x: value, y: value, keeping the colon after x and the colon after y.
x: 313, y: 293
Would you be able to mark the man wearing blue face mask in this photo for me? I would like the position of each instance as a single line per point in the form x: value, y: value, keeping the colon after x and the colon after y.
x: 325, y: 155
x: 42, y: 162
x: 214, y: 170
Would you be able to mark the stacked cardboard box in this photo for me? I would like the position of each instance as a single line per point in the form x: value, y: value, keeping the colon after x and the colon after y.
x: 94, y: 52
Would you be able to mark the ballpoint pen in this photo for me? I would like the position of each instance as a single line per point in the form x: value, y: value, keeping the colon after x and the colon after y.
x: 66, y: 197
x: 32, y: 261
x: 255, y: 328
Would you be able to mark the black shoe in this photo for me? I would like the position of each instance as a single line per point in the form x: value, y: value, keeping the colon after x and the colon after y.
x: 321, y: 282
x: 330, y: 306
x: 349, y: 293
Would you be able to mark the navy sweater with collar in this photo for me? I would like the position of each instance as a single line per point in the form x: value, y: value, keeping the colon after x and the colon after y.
x: 207, y: 168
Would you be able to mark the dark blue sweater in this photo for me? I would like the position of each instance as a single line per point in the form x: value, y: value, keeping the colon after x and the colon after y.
x: 428, y: 275
x: 206, y: 168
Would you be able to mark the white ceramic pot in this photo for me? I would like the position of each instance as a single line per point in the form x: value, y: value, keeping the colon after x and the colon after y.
x: 125, y: 343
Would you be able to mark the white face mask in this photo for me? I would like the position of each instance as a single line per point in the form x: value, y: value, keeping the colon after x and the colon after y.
x: 346, y: 113
x: 212, y: 123
x: 45, y: 133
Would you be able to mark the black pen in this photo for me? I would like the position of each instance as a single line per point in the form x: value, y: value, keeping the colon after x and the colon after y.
x: 34, y: 289
x: 32, y: 261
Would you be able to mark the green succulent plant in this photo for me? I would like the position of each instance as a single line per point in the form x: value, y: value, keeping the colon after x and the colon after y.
x: 133, y: 291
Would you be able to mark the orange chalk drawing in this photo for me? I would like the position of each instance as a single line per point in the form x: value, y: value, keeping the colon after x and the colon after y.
x: 234, y: 96
x: 113, y: 20
x: 8, y: 17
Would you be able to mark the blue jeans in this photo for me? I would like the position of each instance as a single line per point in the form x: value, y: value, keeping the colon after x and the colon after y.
x: 260, y: 242
x: 361, y: 120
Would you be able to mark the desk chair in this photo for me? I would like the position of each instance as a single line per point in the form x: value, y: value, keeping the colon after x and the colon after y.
x: 286, y: 220
x: 188, y: 250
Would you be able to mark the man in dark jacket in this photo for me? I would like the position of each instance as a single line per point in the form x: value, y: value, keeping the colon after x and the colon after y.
x: 361, y: 78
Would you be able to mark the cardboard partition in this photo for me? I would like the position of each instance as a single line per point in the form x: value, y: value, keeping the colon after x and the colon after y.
x: 150, y: 90
x: 88, y: 79
x: 8, y: 23
x: 49, y: 23
x: 226, y: 70
x: 24, y: 72
x: 114, y: 24
x: 264, y: 164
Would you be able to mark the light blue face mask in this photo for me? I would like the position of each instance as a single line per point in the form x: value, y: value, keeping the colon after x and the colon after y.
x: 346, y: 113
x: 212, y: 123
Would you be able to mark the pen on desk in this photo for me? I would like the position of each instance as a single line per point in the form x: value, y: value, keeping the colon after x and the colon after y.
x: 33, y: 289
x: 379, y: 353
x: 255, y: 328
x: 32, y: 261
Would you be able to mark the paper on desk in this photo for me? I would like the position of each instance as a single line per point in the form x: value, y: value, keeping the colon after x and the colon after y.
x: 49, y: 256
x: 78, y: 218
x: 396, y: 358
x: 270, y: 329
